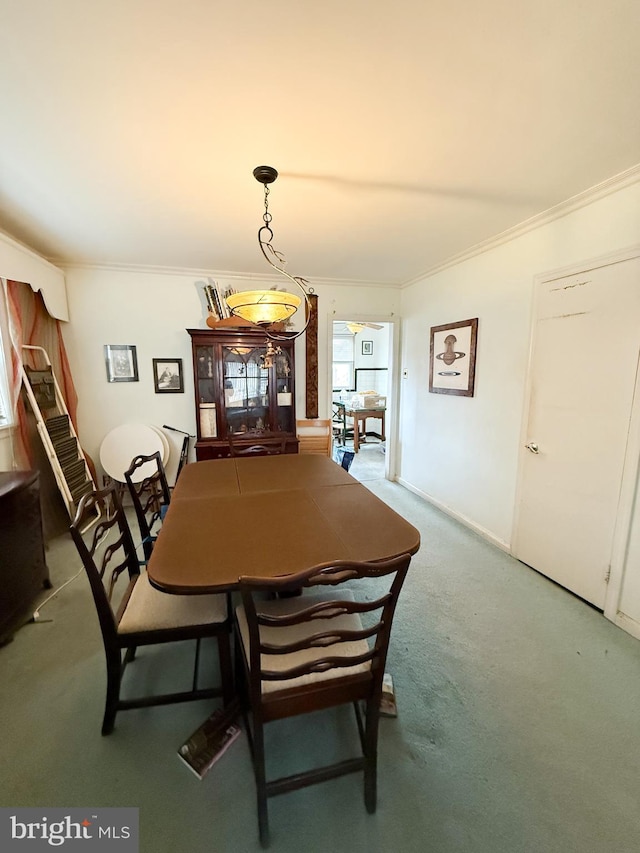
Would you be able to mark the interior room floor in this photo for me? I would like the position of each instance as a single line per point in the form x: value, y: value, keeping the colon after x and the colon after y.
x: 517, y: 727
x: 368, y: 463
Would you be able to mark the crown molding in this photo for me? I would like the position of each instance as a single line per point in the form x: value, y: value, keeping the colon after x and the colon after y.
x: 27, y: 250
x: 228, y: 275
x: 583, y: 199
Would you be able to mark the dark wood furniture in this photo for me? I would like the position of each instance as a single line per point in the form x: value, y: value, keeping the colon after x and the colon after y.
x: 298, y: 655
x: 144, y: 616
x: 23, y: 568
x: 272, y: 514
x: 239, y: 390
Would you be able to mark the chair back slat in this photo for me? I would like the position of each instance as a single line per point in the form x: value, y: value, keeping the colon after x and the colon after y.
x: 314, y: 436
x: 317, y: 666
x: 319, y: 640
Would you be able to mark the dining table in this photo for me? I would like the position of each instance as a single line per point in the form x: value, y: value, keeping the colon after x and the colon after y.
x: 359, y: 415
x: 268, y: 516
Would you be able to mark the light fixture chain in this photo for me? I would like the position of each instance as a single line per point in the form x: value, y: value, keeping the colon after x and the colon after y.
x: 266, y: 216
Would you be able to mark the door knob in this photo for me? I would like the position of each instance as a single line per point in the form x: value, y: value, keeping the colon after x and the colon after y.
x: 533, y: 447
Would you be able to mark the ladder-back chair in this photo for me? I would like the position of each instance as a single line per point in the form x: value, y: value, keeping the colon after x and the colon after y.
x: 297, y: 655
x: 132, y: 613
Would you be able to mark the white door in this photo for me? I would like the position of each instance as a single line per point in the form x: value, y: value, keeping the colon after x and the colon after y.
x: 586, y: 347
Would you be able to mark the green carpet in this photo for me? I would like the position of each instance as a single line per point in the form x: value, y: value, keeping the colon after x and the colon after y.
x: 517, y: 727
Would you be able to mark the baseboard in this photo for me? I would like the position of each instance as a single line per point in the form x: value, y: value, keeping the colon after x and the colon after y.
x: 631, y: 626
x: 481, y: 531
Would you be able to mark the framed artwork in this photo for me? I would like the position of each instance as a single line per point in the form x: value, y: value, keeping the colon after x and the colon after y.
x: 367, y: 347
x: 452, y: 358
x: 167, y: 376
x: 122, y: 363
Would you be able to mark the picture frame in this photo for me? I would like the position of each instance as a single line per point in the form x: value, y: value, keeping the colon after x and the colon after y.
x: 367, y: 347
x: 452, y: 358
x: 121, y: 362
x: 167, y: 376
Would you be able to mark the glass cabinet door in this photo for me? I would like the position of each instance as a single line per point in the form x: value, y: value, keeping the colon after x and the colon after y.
x: 206, y: 392
x: 284, y: 392
x: 246, y: 390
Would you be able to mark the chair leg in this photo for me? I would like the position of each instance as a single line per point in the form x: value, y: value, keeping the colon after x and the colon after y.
x: 114, y: 677
x: 196, y: 666
x: 242, y: 693
x: 130, y: 654
x: 371, y: 755
x: 261, y: 782
x: 226, y: 667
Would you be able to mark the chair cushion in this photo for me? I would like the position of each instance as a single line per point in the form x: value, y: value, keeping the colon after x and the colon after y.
x: 283, y: 606
x: 148, y: 609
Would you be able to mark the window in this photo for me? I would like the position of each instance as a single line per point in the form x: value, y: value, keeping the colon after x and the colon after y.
x: 343, y: 360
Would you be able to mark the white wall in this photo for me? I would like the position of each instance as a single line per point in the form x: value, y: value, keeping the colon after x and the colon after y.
x: 380, y: 356
x: 152, y: 310
x: 462, y: 452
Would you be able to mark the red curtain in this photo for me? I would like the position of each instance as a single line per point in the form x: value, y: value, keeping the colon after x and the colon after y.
x: 31, y: 324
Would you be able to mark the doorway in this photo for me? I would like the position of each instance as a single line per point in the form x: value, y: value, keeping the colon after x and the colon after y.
x: 582, y: 385
x: 361, y: 375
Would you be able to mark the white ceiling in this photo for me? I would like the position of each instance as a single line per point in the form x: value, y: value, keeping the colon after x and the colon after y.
x: 404, y: 132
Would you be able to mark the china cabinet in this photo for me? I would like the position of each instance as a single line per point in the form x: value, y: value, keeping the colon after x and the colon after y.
x: 240, y: 389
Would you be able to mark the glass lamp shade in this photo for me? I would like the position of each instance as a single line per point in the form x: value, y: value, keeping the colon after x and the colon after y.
x: 263, y: 307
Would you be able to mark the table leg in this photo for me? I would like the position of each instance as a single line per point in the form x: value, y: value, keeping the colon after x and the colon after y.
x: 356, y: 433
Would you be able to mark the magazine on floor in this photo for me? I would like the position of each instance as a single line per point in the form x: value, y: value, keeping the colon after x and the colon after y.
x: 388, y: 707
x: 210, y: 741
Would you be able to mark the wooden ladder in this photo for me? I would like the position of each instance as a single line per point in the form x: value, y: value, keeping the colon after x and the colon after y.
x: 56, y: 431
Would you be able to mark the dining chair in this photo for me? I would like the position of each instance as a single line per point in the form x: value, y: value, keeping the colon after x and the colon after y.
x: 132, y: 613
x: 338, y: 422
x: 150, y: 496
x: 313, y: 652
x: 315, y: 435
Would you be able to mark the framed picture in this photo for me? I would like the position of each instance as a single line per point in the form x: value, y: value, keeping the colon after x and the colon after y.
x: 122, y: 363
x: 367, y: 347
x: 452, y: 358
x: 167, y: 375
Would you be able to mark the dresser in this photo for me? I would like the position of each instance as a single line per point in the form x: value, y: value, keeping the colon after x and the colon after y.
x: 23, y: 569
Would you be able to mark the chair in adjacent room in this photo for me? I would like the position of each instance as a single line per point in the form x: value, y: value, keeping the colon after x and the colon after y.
x: 132, y: 613
x: 314, y: 436
x: 342, y: 426
x: 150, y: 495
x: 310, y: 653
x: 338, y: 422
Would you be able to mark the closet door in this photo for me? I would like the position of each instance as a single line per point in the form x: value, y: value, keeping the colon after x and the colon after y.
x: 584, y: 363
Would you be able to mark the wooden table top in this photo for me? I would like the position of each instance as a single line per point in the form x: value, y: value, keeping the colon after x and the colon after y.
x: 269, y: 515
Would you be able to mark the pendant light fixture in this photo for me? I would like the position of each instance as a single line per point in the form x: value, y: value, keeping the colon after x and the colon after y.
x: 268, y: 307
